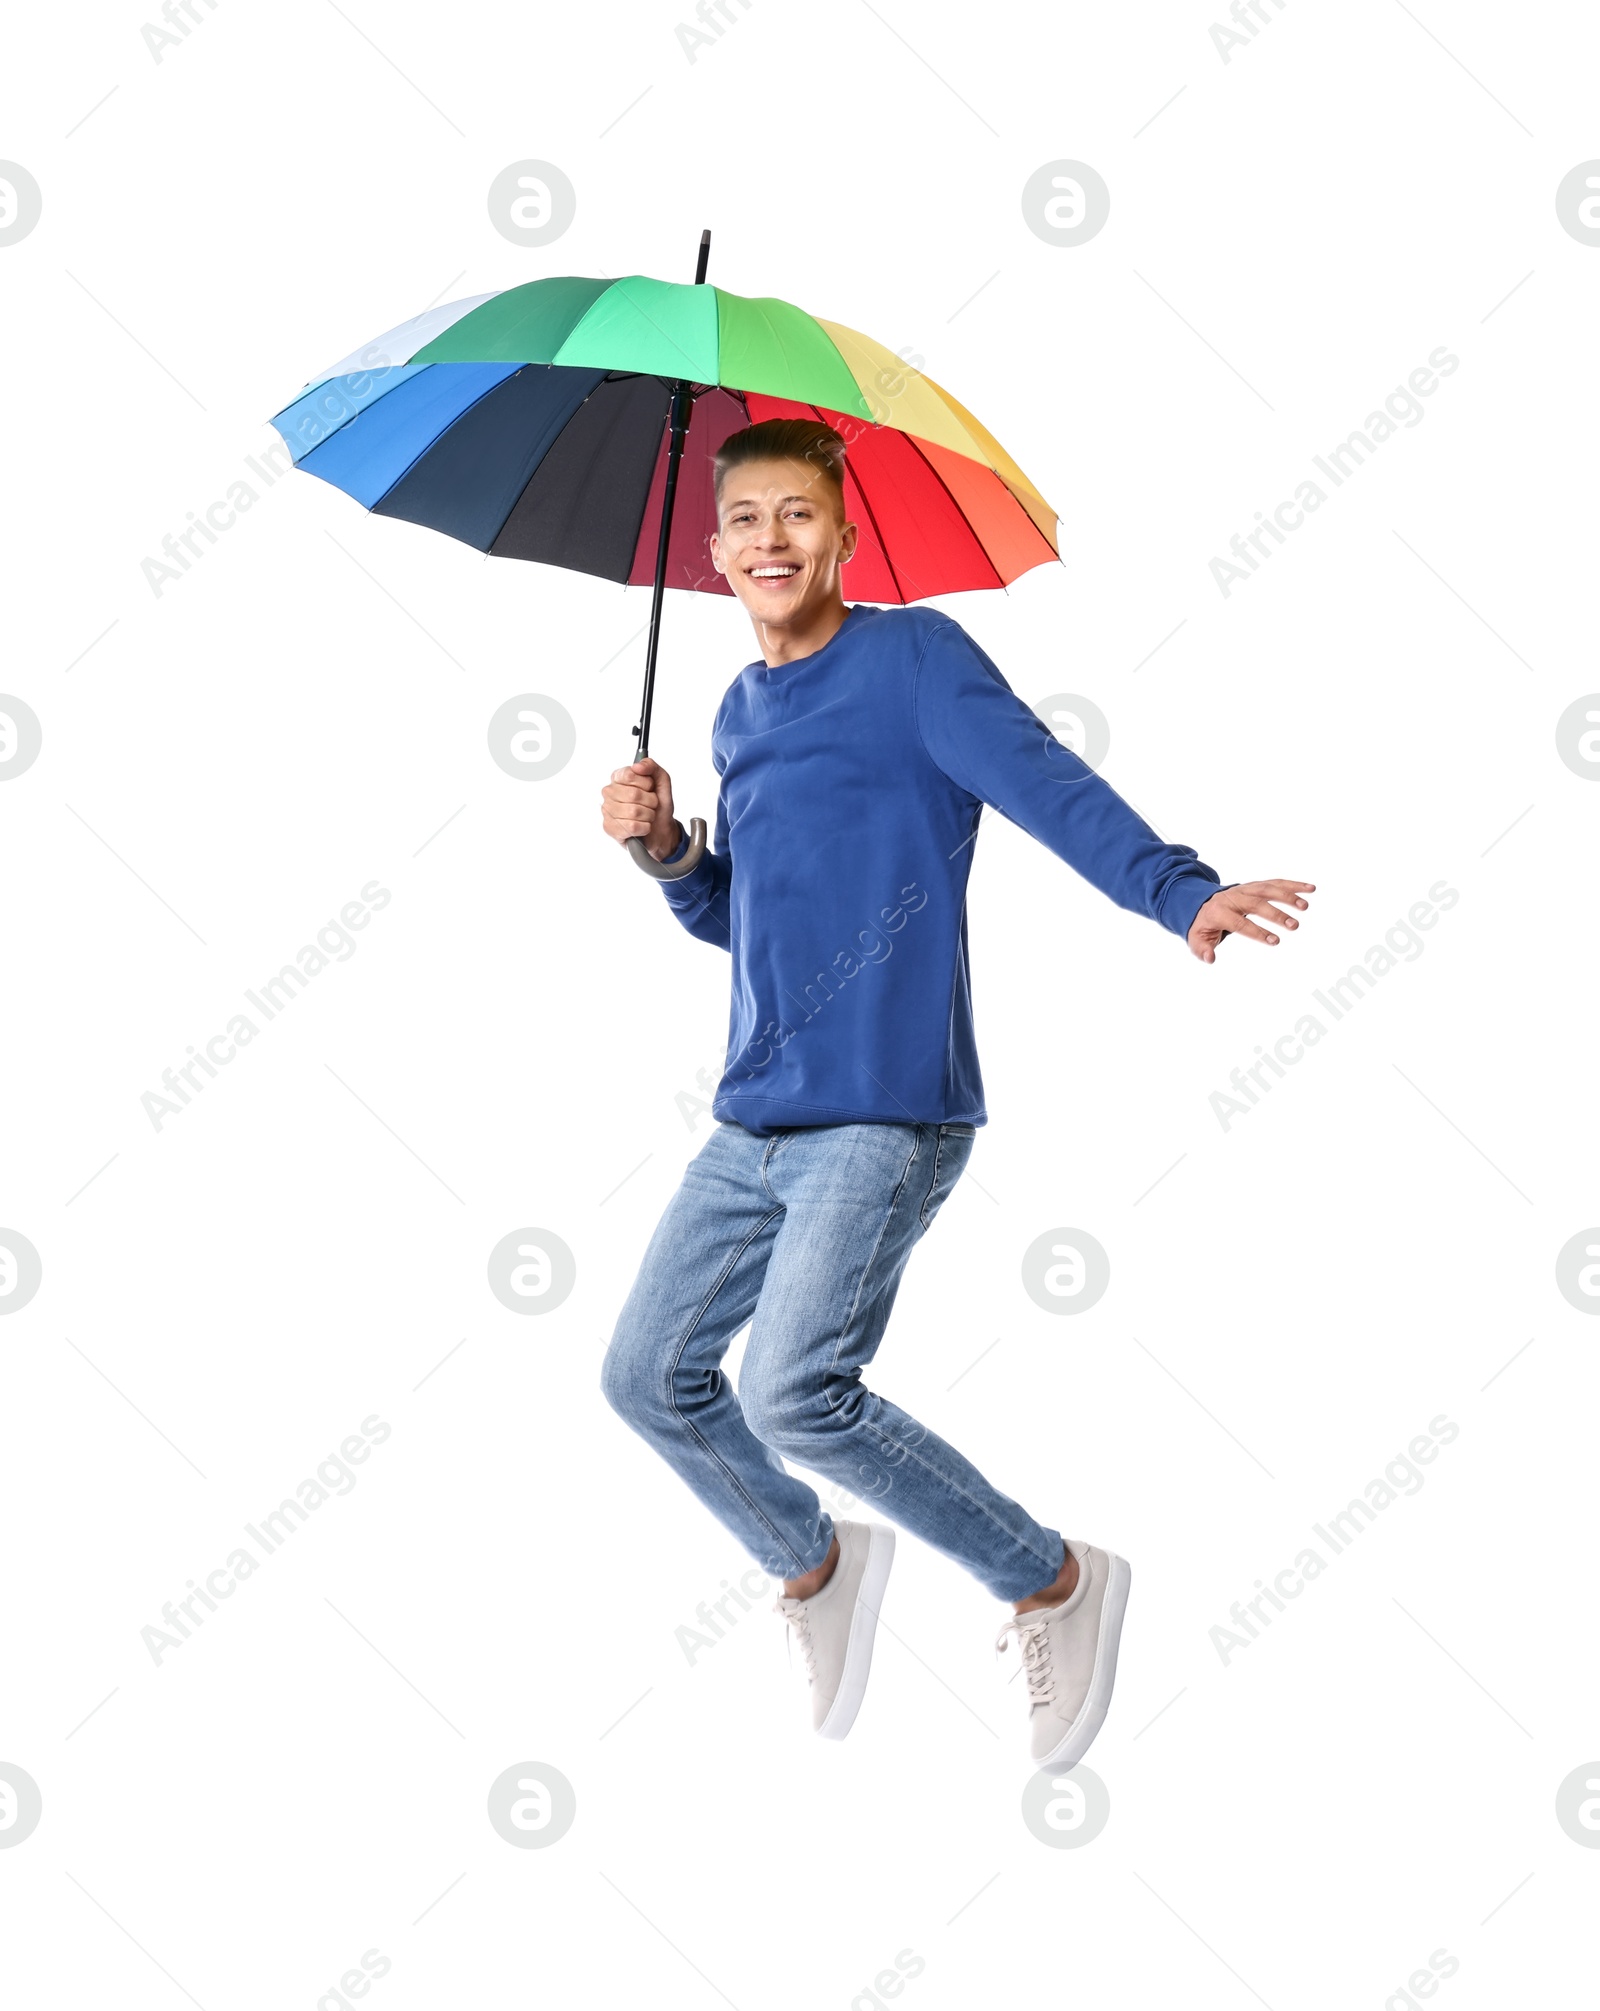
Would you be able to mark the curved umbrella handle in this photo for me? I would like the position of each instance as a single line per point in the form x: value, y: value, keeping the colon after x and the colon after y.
x: 676, y: 871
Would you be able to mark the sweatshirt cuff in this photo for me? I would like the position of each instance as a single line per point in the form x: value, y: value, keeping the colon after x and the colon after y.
x: 691, y: 883
x: 672, y: 858
x: 1184, y: 900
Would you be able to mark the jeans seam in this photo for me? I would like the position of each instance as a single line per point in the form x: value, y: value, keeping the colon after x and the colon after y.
x: 690, y: 1430
x: 872, y: 1257
x: 933, y: 1184
x: 884, y: 1442
x: 883, y: 1438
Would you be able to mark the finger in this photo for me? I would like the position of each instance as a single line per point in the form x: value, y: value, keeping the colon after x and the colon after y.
x: 1268, y: 913
x: 1254, y: 891
x: 1276, y: 890
x: 644, y: 788
x: 1245, y: 927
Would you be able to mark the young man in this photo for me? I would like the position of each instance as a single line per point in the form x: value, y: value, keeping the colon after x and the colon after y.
x: 855, y: 758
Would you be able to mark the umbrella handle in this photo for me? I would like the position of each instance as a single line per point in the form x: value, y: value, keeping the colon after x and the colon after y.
x: 678, y: 868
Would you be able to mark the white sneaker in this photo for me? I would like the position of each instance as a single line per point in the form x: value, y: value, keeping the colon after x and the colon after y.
x: 835, y: 1626
x: 1070, y: 1655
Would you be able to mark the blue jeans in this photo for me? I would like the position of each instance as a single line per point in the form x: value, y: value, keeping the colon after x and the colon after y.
x: 804, y: 1235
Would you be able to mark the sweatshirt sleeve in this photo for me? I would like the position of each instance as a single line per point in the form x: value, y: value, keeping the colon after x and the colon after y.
x: 700, y: 899
x: 989, y: 742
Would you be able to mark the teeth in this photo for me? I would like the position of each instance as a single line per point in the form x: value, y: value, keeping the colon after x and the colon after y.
x: 774, y: 572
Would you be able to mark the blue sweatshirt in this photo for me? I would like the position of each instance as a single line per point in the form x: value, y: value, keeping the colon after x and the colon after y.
x: 852, y: 781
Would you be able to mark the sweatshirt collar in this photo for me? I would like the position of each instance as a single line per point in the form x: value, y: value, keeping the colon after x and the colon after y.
x: 777, y: 672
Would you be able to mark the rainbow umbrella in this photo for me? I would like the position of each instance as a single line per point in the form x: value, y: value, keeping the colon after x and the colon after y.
x: 550, y: 421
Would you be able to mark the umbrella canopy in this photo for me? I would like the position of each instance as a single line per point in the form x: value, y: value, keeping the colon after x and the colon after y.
x: 533, y: 424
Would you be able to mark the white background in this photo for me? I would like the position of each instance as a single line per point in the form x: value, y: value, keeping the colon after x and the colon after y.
x: 224, y: 765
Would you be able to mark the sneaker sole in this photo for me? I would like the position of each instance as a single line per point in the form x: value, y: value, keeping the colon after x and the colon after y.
x: 863, y: 1626
x: 1080, y: 1734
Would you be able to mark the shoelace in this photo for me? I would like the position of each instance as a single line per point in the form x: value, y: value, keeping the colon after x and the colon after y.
x: 1033, y: 1638
x: 799, y: 1620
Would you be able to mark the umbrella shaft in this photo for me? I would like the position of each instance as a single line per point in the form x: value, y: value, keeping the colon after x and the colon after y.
x: 679, y: 425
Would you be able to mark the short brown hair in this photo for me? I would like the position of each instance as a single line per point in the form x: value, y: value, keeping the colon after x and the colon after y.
x: 813, y: 441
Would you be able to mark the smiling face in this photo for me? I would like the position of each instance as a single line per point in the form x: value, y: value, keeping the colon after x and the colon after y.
x: 781, y: 538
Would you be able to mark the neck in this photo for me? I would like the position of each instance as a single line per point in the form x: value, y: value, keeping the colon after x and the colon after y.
x: 802, y: 637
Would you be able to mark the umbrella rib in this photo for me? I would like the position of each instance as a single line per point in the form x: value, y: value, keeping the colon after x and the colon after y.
x: 866, y: 503
x: 429, y: 445
x: 867, y: 412
x: 638, y: 307
x: 844, y: 363
x: 349, y: 418
x: 961, y: 513
x: 984, y: 462
x: 610, y: 377
x: 488, y: 550
x: 956, y: 410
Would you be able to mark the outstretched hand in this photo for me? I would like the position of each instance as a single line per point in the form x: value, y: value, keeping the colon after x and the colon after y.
x: 1228, y: 913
